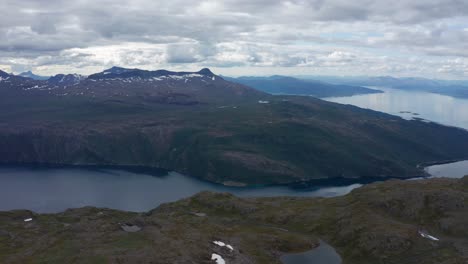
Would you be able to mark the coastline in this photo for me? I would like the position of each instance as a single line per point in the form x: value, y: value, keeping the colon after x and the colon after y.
x: 161, y: 172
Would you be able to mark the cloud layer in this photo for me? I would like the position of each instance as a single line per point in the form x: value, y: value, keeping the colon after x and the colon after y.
x: 339, y: 37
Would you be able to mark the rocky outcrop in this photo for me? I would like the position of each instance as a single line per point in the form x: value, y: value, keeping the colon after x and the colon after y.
x: 400, y: 222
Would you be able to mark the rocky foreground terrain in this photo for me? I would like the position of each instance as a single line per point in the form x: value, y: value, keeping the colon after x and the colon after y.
x: 421, y: 221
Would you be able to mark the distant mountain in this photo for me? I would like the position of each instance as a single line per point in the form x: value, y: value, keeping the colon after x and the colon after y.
x: 33, y: 76
x: 293, y: 86
x: 444, y: 87
x: 158, y: 86
x: 137, y: 74
x: 16, y: 82
x: 4, y: 74
x: 66, y: 79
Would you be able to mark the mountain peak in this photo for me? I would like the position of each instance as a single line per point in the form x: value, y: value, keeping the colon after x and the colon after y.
x: 30, y: 74
x: 4, y: 74
x: 206, y: 71
x: 116, y: 70
x: 66, y: 79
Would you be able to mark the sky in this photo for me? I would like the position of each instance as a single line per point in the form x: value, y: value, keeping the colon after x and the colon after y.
x: 420, y: 38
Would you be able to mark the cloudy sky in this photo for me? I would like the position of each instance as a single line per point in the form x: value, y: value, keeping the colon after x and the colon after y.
x: 427, y: 38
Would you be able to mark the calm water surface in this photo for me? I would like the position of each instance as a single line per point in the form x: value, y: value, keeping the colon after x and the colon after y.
x: 55, y: 190
x: 451, y: 170
x: 323, y: 254
x: 434, y: 107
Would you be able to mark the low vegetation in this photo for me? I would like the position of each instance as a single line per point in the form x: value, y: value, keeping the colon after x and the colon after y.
x: 378, y: 223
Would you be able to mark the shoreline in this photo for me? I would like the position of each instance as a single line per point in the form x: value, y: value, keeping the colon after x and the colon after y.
x: 442, y: 162
x: 161, y: 172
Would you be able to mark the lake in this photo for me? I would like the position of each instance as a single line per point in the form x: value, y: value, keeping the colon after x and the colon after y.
x: 450, y: 170
x: 56, y: 189
x: 410, y: 104
x: 323, y: 254
x: 49, y: 190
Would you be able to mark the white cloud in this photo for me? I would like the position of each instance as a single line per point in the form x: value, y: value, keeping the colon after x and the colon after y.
x: 314, y: 36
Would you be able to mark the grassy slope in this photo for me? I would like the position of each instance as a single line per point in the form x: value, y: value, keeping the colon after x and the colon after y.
x: 291, y: 139
x: 378, y: 223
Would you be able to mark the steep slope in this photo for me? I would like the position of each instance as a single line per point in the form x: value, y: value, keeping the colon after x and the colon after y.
x: 204, y: 126
x: 395, y: 222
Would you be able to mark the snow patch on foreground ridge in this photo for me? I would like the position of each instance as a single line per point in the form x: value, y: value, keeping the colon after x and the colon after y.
x: 217, y: 258
x: 222, y: 244
x: 425, y: 235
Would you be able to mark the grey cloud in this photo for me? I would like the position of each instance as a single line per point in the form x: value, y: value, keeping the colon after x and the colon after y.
x: 228, y: 33
x: 185, y: 53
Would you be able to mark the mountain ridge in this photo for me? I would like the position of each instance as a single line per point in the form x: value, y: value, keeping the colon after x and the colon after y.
x: 278, y: 84
x: 30, y: 74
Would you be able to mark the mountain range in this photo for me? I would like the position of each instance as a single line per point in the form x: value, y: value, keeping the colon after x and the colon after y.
x: 293, y: 86
x: 203, y: 125
x: 29, y: 74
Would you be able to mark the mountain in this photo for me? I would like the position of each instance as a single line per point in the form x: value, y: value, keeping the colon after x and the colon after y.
x: 402, y: 222
x: 293, y: 86
x: 31, y: 75
x: 17, y: 83
x: 66, y: 79
x: 4, y: 75
x: 200, y: 124
x: 141, y: 85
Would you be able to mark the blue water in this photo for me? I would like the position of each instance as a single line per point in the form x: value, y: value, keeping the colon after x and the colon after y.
x: 450, y: 170
x: 438, y: 108
x: 54, y: 190
x: 323, y: 254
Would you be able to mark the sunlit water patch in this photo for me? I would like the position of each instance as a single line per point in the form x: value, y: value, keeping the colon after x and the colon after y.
x: 413, y: 104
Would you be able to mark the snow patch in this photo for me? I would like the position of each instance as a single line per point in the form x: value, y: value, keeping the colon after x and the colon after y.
x: 192, y: 75
x: 28, y: 219
x: 263, y: 102
x: 222, y: 244
x: 219, y: 243
x: 217, y: 258
x: 425, y: 235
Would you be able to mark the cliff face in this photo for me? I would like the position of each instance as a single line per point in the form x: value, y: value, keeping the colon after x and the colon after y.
x: 420, y: 221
